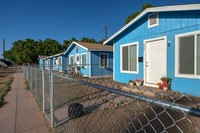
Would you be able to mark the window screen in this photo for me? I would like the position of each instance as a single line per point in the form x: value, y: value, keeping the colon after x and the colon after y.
x: 129, y: 58
x: 59, y: 61
x: 103, y: 60
x: 198, y: 55
x: 186, y: 55
x: 71, y: 60
x: 83, y: 60
x: 133, y: 58
x: 125, y: 58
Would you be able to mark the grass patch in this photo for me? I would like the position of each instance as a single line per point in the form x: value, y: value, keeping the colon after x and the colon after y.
x: 5, y: 88
x: 26, y: 85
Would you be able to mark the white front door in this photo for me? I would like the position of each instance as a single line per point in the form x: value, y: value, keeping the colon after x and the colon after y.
x: 155, y: 60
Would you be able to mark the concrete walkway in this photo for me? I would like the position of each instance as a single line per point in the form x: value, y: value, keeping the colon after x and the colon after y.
x: 21, y: 113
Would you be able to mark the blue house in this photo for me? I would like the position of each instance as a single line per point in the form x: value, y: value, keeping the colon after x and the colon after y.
x: 48, y: 62
x: 90, y: 59
x: 161, y: 41
x: 59, y: 62
x: 41, y: 61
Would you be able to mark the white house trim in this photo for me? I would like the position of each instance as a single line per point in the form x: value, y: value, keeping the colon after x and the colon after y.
x: 177, y: 55
x: 77, y: 45
x: 155, y: 9
x: 128, y: 44
x: 144, y: 56
x: 54, y: 56
x: 86, y: 59
x: 90, y: 65
x: 113, y: 62
x: 100, y: 50
x: 70, y: 58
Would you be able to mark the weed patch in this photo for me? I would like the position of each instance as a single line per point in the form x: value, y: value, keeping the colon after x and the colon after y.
x: 4, y: 89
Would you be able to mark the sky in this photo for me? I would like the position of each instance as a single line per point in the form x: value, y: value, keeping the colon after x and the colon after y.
x: 63, y: 19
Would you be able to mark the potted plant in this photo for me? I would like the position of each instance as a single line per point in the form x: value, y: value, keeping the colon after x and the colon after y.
x: 166, y: 80
x: 131, y: 82
x: 138, y: 81
x: 164, y: 86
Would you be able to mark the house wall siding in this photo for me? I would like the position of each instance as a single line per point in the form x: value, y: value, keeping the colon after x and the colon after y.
x: 41, y: 63
x: 170, y: 24
x: 96, y: 69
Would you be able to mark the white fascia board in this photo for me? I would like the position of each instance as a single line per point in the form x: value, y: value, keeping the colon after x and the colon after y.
x: 155, y: 9
x: 100, y: 50
x: 56, y: 55
x: 76, y: 44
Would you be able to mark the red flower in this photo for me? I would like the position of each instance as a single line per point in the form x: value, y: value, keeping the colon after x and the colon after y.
x: 138, y: 80
x: 165, y: 85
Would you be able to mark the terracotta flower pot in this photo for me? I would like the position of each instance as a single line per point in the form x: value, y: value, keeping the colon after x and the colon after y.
x: 165, y: 88
x: 131, y: 83
x: 138, y: 83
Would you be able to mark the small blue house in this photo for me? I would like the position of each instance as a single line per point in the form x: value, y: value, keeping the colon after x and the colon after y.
x: 90, y: 59
x: 161, y: 41
x: 41, y: 61
x: 56, y: 62
x: 59, y: 62
x: 48, y: 62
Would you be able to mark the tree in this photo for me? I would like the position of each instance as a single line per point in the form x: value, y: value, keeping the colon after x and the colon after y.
x: 85, y: 39
x: 101, y: 41
x: 27, y: 51
x: 92, y: 40
x: 135, y: 14
x: 145, y: 6
x: 66, y: 43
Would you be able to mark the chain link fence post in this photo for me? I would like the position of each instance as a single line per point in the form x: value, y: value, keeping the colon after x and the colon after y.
x: 43, y: 91
x: 31, y: 78
x: 52, y: 98
x: 26, y: 73
x: 35, y: 84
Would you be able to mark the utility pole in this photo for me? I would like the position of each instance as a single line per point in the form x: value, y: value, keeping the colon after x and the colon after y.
x: 106, y: 32
x: 4, y: 50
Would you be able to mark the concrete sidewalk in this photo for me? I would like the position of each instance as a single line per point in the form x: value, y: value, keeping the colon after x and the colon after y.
x: 21, y: 113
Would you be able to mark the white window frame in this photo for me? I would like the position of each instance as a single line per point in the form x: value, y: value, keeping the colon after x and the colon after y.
x: 177, y: 74
x: 60, y: 60
x: 70, y: 59
x: 157, y: 20
x: 100, y: 60
x: 54, y: 61
x: 85, y: 60
x: 129, y: 44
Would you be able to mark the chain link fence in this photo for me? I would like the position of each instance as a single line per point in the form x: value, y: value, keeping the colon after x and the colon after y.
x: 85, y: 70
x: 80, y: 104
